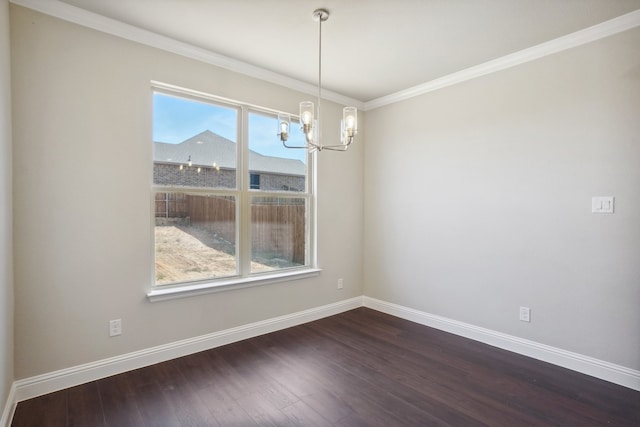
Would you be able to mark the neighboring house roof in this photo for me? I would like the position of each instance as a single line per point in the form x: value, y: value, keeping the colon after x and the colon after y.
x: 208, y: 148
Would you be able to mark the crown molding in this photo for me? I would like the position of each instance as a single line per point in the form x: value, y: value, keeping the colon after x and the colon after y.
x: 97, y: 22
x: 587, y: 35
x: 116, y: 28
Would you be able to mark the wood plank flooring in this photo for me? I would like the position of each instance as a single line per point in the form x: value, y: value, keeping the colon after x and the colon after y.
x: 359, y: 368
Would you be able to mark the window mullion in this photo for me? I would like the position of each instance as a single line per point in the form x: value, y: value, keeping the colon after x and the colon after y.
x: 244, y: 199
x: 312, y: 211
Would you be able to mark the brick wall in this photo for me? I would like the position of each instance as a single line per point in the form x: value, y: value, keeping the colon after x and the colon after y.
x: 273, y: 182
x: 171, y: 174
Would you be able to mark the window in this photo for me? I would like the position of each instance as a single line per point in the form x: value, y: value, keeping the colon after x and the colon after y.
x: 254, y: 181
x: 227, y: 208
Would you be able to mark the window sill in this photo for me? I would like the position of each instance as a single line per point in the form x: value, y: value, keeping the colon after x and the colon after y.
x: 163, y: 293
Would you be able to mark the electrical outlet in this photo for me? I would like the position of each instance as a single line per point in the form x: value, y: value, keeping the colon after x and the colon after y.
x: 115, y: 327
x: 525, y: 314
x: 340, y: 284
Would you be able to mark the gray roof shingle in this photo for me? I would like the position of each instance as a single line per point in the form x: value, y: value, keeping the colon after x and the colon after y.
x: 207, y: 148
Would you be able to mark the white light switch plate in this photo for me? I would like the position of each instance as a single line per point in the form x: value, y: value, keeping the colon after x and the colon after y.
x: 602, y: 204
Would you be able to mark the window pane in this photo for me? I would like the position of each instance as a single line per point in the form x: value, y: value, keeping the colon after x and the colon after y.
x: 278, y: 230
x: 194, y: 143
x: 275, y: 167
x: 254, y: 181
x: 194, y: 237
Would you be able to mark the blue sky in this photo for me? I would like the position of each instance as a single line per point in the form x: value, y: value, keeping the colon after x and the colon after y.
x: 177, y: 119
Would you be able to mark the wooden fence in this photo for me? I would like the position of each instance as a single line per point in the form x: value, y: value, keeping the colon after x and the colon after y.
x: 277, y: 224
x: 171, y: 205
x: 279, y: 231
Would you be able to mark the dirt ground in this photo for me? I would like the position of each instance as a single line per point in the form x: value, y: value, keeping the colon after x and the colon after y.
x: 189, y: 253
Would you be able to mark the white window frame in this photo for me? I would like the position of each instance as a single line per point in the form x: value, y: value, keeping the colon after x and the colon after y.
x: 243, y: 194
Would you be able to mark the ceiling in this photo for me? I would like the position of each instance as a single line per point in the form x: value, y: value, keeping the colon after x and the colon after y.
x: 371, y: 48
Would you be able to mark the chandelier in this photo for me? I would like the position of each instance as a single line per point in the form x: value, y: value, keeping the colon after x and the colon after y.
x: 310, y: 119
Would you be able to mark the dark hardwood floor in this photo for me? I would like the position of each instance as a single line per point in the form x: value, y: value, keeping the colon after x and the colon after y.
x: 359, y: 368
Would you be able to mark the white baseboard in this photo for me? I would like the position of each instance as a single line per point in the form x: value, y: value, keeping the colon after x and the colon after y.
x: 9, y: 407
x: 47, y: 383
x: 587, y: 365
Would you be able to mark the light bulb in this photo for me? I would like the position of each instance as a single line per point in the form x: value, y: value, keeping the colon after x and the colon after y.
x: 350, y: 122
x: 306, y: 115
x: 283, y: 125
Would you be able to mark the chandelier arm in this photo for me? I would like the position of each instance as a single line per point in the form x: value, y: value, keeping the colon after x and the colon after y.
x: 295, y: 146
x: 339, y: 147
x: 309, y: 144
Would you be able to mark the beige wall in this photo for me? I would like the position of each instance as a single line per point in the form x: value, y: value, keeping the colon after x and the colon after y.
x: 6, y: 259
x: 478, y: 201
x: 82, y: 231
